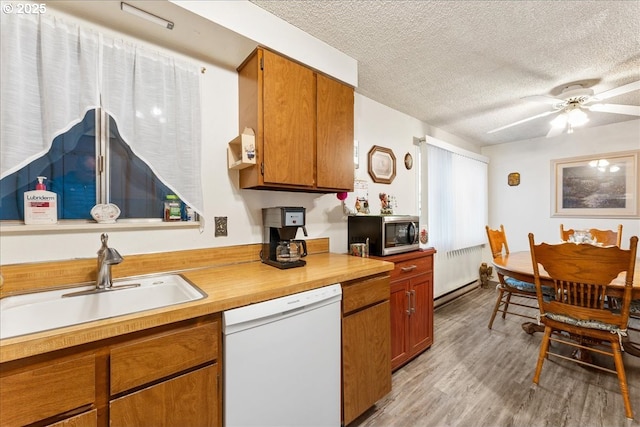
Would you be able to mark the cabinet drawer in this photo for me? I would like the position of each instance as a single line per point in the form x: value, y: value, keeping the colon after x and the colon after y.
x: 187, y: 400
x: 153, y: 358
x: 362, y: 293
x: 40, y: 393
x: 412, y: 267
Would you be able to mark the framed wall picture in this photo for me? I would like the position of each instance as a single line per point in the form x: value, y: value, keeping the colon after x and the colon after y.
x: 382, y: 164
x: 603, y: 185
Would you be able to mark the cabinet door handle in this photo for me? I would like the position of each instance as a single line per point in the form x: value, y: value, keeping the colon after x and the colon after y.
x: 412, y: 300
x: 408, y: 269
x: 408, y: 304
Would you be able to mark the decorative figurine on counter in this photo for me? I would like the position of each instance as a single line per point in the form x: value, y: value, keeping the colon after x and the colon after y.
x: 485, y: 273
x: 362, y: 205
x: 386, y: 204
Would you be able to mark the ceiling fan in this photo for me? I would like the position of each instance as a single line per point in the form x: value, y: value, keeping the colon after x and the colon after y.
x: 572, y: 103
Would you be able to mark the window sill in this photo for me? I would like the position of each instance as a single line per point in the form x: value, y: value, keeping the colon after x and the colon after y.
x: 18, y: 227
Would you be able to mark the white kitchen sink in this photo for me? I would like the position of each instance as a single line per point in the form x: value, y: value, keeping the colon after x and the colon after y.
x: 41, y: 311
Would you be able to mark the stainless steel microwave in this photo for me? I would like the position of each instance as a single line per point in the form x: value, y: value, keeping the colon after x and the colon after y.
x: 387, y: 234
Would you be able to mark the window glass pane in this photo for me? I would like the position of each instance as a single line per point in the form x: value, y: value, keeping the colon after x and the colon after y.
x: 76, y: 186
x: 70, y: 170
x: 133, y: 186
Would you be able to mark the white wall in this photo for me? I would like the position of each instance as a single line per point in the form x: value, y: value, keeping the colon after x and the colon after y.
x: 527, y: 207
x: 375, y: 124
x: 250, y: 21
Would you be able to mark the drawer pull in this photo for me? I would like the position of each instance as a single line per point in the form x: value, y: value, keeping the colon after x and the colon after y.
x: 409, y: 268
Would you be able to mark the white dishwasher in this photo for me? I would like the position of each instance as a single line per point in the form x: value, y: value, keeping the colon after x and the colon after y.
x: 282, y: 361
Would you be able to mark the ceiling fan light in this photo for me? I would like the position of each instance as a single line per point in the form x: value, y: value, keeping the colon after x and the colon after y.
x: 577, y: 117
x: 560, y: 121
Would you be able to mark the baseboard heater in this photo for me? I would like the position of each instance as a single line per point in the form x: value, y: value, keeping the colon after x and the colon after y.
x: 451, y: 295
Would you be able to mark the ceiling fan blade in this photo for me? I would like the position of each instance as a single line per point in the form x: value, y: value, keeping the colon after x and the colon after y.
x: 543, y: 99
x: 555, y: 131
x: 524, y: 120
x: 630, y: 110
x: 616, y: 91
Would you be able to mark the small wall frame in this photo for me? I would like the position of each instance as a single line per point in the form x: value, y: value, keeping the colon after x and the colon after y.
x: 382, y: 165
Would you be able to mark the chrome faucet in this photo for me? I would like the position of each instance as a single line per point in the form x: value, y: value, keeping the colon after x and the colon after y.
x: 106, y: 258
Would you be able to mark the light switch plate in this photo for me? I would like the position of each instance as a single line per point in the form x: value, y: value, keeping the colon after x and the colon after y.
x: 221, y: 226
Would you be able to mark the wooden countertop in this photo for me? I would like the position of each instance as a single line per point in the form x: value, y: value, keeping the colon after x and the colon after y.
x: 227, y: 287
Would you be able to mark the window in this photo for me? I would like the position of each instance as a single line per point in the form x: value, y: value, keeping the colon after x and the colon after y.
x: 457, y: 182
x: 106, y: 121
x: 70, y: 169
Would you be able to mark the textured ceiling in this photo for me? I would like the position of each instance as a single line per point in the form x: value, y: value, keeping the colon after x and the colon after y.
x: 464, y: 66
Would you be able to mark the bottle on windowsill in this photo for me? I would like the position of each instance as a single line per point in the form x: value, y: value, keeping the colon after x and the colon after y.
x: 172, y: 208
x: 40, y: 205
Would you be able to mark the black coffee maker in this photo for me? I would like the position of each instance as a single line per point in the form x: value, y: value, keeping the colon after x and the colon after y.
x: 279, y: 247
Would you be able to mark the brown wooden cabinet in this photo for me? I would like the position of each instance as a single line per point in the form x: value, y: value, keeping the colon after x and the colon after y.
x: 366, y: 363
x: 187, y: 400
x: 47, y: 389
x: 303, y: 123
x: 153, y: 362
x: 411, y: 305
x: 165, y: 376
x: 334, y: 148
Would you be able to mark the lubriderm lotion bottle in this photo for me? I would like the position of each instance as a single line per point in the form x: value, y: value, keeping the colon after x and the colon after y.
x: 40, y: 205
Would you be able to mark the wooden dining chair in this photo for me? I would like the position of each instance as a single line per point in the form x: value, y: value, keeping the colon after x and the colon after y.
x: 565, y: 234
x: 509, y: 287
x: 605, y: 237
x: 579, y: 275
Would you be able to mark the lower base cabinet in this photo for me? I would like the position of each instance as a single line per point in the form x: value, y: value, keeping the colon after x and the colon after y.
x: 366, y: 349
x: 411, y: 305
x: 176, y: 402
x: 162, y: 377
x: 48, y: 388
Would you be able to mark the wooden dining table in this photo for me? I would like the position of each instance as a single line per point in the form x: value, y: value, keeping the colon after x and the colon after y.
x: 519, y: 266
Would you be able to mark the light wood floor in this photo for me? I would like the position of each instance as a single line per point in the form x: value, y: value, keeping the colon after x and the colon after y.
x: 473, y: 376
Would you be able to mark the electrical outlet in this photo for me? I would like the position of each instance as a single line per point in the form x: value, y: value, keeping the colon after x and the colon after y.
x: 221, y: 226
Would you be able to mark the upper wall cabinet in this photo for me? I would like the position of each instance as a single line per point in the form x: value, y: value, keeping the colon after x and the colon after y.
x: 303, y: 123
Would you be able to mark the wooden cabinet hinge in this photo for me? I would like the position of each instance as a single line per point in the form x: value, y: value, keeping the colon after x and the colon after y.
x: 262, y: 168
x: 261, y: 63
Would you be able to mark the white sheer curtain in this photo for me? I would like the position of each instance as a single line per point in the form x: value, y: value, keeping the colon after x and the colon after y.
x: 457, y: 196
x: 48, y: 80
x: 439, y: 201
x: 155, y: 101
x: 53, y: 72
